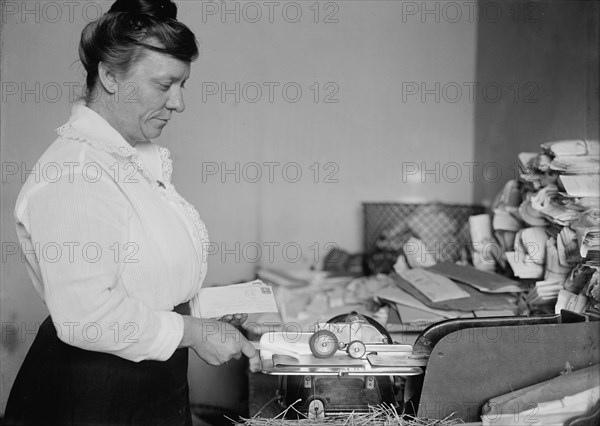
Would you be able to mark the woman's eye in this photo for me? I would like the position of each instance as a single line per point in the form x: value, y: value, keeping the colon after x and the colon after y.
x: 164, y: 87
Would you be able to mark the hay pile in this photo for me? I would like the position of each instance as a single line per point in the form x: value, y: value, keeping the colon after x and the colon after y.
x: 380, y: 415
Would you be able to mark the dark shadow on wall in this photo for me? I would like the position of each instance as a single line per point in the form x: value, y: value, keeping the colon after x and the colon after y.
x: 537, y: 75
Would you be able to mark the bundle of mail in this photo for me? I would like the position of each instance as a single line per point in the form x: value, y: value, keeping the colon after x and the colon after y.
x: 548, y: 224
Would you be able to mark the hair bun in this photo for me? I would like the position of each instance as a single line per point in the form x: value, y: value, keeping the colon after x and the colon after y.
x: 160, y: 9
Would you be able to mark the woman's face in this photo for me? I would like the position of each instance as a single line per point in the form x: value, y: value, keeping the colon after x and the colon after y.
x: 148, y: 94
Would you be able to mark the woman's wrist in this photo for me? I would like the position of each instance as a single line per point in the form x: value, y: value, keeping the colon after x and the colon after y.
x: 187, y: 338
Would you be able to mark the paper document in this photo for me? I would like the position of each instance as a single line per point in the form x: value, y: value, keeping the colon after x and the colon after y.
x: 581, y: 185
x: 481, y: 280
x: 246, y: 298
x: 407, y: 305
x: 523, y: 267
x: 435, y: 287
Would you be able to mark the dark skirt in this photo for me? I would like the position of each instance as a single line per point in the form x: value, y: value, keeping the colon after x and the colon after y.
x: 59, y: 384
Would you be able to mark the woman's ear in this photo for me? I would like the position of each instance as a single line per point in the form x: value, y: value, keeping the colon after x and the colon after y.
x: 107, y: 78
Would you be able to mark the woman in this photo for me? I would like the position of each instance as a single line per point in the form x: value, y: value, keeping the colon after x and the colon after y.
x: 122, y: 293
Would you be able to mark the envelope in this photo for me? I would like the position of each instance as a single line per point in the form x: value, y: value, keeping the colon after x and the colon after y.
x: 249, y: 298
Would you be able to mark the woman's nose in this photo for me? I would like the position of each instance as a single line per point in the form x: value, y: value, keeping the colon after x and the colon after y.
x: 175, y: 101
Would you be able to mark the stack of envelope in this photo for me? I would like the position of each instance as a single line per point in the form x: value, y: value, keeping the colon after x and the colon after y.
x: 548, y: 222
x: 573, y: 156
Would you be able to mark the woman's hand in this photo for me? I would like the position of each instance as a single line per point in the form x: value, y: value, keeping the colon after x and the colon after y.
x: 216, y: 342
x: 234, y: 319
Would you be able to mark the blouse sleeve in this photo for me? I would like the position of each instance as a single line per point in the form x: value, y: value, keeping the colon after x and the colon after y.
x: 195, y: 306
x: 85, y: 222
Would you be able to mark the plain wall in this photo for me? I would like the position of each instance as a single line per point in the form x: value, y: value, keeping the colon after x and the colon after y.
x: 545, y: 58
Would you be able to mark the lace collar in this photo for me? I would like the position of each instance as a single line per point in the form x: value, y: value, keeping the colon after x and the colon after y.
x: 86, y: 125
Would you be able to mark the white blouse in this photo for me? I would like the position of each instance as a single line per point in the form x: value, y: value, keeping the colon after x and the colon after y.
x: 109, y: 244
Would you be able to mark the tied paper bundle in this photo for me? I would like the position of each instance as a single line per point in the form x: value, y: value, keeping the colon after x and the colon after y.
x: 573, y: 156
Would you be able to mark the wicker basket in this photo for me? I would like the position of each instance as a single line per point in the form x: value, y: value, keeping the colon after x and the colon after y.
x: 442, y: 227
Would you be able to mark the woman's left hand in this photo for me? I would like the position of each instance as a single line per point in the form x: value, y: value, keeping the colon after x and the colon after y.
x: 234, y: 319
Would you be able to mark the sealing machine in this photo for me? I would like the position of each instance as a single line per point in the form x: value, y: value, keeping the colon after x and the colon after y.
x: 455, y: 366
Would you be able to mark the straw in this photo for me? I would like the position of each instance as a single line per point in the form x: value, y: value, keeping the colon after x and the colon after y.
x: 378, y: 415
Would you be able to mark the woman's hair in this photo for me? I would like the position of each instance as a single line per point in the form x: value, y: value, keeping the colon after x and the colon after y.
x: 119, y: 37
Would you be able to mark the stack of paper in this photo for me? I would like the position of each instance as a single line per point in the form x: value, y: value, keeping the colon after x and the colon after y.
x: 413, y: 312
x: 477, y: 300
x: 574, y: 156
x: 557, y: 225
x: 575, y: 165
x: 435, y: 287
x: 552, y: 402
x: 572, y: 148
x: 483, y: 281
x: 575, y: 204
x: 581, y: 185
x: 544, y: 292
x: 545, y: 202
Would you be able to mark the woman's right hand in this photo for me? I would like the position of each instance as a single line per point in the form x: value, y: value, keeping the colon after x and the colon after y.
x: 216, y: 342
